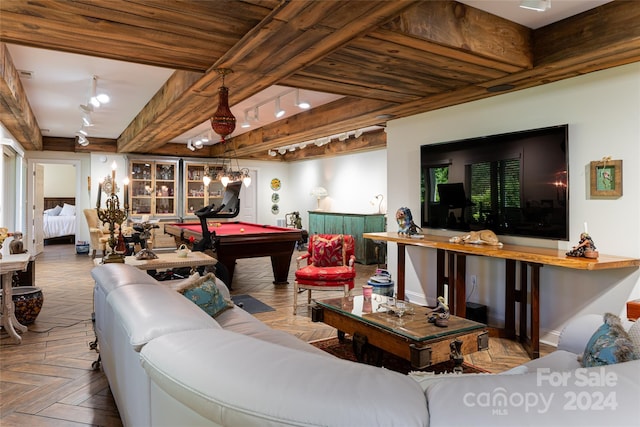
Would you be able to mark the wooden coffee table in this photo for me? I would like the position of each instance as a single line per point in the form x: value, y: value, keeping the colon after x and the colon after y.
x: 410, y: 336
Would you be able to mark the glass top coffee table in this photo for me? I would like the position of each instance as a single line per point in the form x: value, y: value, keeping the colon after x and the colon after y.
x: 400, y: 328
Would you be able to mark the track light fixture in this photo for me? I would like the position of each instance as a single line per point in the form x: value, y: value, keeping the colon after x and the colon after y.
x: 319, y: 142
x: 83, y: 141
x: 537, y: 5
x: 301, y: 104
x: 96, y: 99
x: 86, y: 120
x: 245, y: 124
x: 279, y: 112
x: 190, y: 145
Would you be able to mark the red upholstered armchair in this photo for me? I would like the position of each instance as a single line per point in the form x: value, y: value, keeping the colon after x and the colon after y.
x: 329, y: 266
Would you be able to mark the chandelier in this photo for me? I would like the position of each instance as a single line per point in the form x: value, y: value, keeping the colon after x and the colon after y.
x: 223, y: 122
x: 225, y: 173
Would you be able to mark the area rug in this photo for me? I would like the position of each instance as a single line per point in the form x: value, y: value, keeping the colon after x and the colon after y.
x: 344, y: 350
x: 250, y: 304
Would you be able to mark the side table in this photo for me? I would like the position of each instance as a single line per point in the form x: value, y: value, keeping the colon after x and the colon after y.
x: 9, y: 264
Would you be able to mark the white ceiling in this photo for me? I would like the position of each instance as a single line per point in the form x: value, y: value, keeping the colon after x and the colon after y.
x: 62, y: 81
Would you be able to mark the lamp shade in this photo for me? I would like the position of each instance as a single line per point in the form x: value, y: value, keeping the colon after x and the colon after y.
x: 319, y: 192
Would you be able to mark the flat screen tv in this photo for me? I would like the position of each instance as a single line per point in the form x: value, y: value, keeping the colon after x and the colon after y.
x: 514, y: 184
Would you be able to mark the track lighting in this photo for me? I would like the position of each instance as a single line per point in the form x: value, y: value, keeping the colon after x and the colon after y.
x: 245, y: 124
x: 97, y: 99
x: 279, y: 112
x: 86, y: 120
x: 82, y: 132
x: 198, y: 144
x: 83, y: 141
x: 304, y: 104
x: 319, y: 142
x: 537, y: 5
x: 86, y: 109
x: 190, y: 145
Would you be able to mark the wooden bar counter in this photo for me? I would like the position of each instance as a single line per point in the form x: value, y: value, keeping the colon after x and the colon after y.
x: 530, y: 258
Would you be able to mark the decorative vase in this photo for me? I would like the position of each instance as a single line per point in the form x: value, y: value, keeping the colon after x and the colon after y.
x: 27, y: 301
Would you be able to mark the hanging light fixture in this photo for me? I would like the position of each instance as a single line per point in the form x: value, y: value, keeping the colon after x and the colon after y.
x: 223, y: 121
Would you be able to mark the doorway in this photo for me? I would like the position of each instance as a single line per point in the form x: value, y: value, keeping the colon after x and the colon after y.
x: 56, y: 182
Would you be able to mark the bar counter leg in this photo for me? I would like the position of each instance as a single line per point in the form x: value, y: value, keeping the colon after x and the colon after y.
x: 401, y: 271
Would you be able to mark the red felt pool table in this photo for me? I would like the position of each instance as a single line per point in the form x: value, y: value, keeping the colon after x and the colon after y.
x: 234, y: 240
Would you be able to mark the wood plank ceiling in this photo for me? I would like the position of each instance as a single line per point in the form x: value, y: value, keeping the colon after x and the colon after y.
x: 390, y: 59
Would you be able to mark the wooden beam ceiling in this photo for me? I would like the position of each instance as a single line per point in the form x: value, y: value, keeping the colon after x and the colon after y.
x: 391, y: 59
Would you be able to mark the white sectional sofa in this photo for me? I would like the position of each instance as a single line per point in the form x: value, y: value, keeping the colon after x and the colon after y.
x: 170, y: 364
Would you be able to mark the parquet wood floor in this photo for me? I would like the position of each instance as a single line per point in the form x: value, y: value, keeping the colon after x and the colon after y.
x: 48, y: 380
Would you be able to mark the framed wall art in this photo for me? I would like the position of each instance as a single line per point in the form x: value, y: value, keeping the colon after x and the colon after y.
x: 606, y: 178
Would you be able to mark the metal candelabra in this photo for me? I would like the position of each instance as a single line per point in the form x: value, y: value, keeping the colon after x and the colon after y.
x: 112, y: 215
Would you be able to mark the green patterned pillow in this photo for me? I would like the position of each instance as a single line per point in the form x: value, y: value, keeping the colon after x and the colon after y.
x: 205, y: 294
x: 610, y: 344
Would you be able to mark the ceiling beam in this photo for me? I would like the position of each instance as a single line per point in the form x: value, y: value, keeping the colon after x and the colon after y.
x: 294, y: 35
x: 15, y: 112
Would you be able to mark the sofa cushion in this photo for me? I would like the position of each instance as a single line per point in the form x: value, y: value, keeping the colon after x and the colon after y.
x: 148, y: 312
x: 205, y: 294
x: 251, y: 382
x: 610, y: 344
x: 334, y: 274
x: 111, y: 276
x: 539, y: 398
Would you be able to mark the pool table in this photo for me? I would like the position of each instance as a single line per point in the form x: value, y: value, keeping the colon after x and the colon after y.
x: 237, y: 239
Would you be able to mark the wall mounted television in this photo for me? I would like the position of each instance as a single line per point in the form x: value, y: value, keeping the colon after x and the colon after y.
x: 514, y: 184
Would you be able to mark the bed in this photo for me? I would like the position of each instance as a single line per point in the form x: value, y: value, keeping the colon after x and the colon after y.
x: 59, y: 221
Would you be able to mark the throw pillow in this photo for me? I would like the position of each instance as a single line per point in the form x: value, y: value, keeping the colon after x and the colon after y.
x: 610, y: 344
x: 328, y: 252
x: 54, y: 211
x: 68, y: 210
x: 205, y: 294
x: 634, y: 335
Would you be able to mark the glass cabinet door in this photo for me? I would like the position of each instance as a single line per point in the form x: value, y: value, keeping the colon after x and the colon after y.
x: 141, y: 188
x: 165, y: 188
x: 153, y: 188
x: 196, y: 194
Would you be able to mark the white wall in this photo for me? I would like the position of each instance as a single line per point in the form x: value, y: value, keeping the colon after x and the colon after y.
x: 59, y: 180
x: 603, y: 111
x: 352, y: 181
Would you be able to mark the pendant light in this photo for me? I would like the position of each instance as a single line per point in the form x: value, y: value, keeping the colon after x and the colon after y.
x: 223, y: 121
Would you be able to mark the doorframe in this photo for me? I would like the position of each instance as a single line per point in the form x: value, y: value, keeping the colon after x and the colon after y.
x: 31, y: 162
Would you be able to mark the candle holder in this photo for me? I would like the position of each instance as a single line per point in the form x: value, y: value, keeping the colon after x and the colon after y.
x: 113, y: 215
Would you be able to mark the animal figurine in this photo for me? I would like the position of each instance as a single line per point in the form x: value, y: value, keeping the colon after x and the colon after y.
x: 405, y: 222
x: 16, y: 246
x: 439, y: 315
x: 482, y: 237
